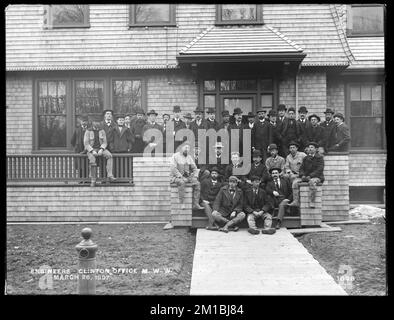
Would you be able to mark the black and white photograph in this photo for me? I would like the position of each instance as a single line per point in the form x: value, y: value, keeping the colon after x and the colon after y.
x: 195, y: 149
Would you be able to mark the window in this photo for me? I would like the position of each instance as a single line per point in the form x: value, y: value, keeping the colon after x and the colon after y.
x: 68, y: 16
x: 51, y: 114
x: 126, y: 95
x: 239, y: 14
x: 366, y: 20
x: 152, y: 15
x: 366, y: 116
x: 60, y: 102
x: 366, y: 195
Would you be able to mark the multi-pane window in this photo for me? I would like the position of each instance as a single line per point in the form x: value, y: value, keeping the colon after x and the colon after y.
x: 152, y: 14
x: 68, y: 15
x: 366, y: 116
x: 51, y: 114
x: 366, y: 20
x: 236, y: 85
x: 89, y: 97
x: 238, y: 14
x: 126, y: 95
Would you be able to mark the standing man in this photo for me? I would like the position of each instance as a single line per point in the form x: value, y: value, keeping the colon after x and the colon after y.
x: 121, y: 139
x: 341, y: 134
x: 127, y: 121
x: 198, y: 123
x: 273, y: 129
x: 291, y: 131
x: 166, y: 118
x: 227, y: 207
x: 279, y: 189
x: 137, y: 131
x: 152, y: 124
x: 188, y: 119
x: 108, y: 123
x: 210, y: 121
x: 178, y: 125
x: 225, y: 120
x: 210, y: 188
x: 95, y: 142
x: 237, y: 125
x: 78, y: 143
x: 314, y: 132
x: 184, y: 170
x: 311, y: 171
x: 260, y: 139
x: 279, y: 122
x: 293, y: 161
x: 328, y: 132
x: 257, y: 205
x: 304, y: 123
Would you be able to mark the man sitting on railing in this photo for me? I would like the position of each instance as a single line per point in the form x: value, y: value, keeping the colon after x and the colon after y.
x: 95, y: 142
x: 311, y: 171
x: 184, y: 170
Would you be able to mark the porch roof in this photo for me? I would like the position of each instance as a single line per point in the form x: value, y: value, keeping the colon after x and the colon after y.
x: 251, y: 43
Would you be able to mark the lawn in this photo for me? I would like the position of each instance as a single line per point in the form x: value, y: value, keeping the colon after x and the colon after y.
x: 360, y: 246
x: 166, y: 256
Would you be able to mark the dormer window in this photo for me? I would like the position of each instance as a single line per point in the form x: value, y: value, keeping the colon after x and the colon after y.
x: 365, y: 20
x: 67, y: 16
x: 239, y: 14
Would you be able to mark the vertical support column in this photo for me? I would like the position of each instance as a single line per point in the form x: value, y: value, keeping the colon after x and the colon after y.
x: 181, y: 213
x: 310, y: 216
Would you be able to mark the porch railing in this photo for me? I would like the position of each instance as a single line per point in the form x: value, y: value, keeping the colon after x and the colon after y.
x: 66, y: 167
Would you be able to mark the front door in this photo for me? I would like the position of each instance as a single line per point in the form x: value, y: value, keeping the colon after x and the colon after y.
x: 246, y: 102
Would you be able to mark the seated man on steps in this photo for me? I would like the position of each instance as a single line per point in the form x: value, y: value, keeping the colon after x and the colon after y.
x: 311, y: 171
x: 95, y: 141
x: 184, y: 170
x: 257, y: 205
x: 210, y: 187
x: 227, y: 207
x: 279, y: 189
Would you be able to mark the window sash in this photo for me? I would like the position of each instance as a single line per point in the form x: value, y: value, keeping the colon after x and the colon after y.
x: 134, y: 23
x: 258, y: 20
x: 122, y: 96
x: 53, y: 25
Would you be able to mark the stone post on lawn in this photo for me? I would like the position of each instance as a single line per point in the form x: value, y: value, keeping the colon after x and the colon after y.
x: 87, y: 261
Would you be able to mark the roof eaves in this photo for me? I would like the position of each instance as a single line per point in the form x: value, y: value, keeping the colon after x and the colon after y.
x: 341, y: 33
x: 282, y: 36
x: 117, y: 67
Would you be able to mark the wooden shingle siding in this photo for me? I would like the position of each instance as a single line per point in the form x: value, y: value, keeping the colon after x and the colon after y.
x: 19, y: 114
x: 110, y: 43
x: 367, y: 169
x: 336, y: 94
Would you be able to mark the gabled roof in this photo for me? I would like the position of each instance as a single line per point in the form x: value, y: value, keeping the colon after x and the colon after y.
x: 368, y: 52
x: 242, y: 40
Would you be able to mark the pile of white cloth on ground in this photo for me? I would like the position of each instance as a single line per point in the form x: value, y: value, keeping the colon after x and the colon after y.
x: 367, y: 212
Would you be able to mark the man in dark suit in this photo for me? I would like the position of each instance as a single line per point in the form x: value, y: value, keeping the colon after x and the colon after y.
x: 258, y: 169
x: 260, y: 139
x: 279, y: 189
x: 281, y: 116
x: 166, y: 118
x: 328, y: 125
x: 120, y: 137
x: 273, y: 129
x: 228, y: 205
x: 290, y: 131
x: 341, y: 134
x: 198, y: 123
x: 178, y: 125
x: 188, y: 119
x: 152, y: 124
x: 136, y: 128
x: 225, y: 120
x: 210, y: 187
x: 210, y: 121
x: 311, y: 171
x: 229, y: 171
x: 237, y: 125
x: 221, y: 167
x: 304, y: 123
x: 314, y: 132
x: 108, y: 124
x: 257, y: 205
x: 78, y: 143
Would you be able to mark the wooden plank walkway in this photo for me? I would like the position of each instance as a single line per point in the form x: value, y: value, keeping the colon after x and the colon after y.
x: 238, y: 263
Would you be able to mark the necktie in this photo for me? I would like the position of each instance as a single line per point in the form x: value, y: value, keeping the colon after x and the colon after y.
x: 277, y: 184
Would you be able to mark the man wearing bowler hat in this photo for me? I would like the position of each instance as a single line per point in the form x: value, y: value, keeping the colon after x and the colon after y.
x: 257, y: 168
x: 273, y: 128
x: 228, y: 206
x: 188, y: 119
x: 152, y: 124
x: 291, y: 130
x: 225, y: 120
x: 328, y: 125
x: 260, y: 138
x: 210, y: 121
x: 311, y: 171
x: 293, y: 161
x: 304, y: 123
x: 78, y: 143
x: 279, y: 189
x: 198, y: 123
x: 275, y: 160
x: 166, y: 117
x: 136, y: 128
x: 108, y: 123
x: 178, y: 125
x: 237, y: 125
x: 341, y: 134
x: 121, y: 139
x: 314, y: 132
x: 281, y: 115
